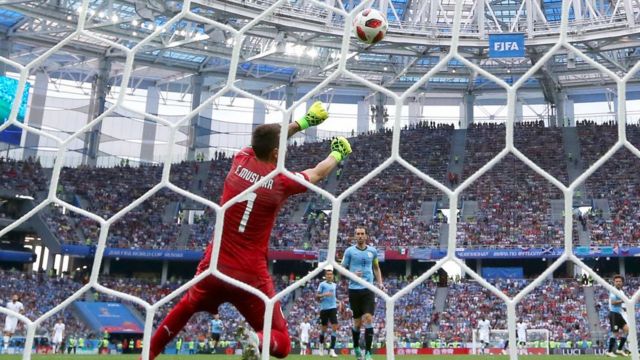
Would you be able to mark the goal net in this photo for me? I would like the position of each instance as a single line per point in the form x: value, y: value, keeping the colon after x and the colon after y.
x: 448, y: 53
x: 537, y: 342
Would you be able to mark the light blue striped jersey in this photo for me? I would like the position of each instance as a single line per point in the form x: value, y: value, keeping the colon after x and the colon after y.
x: 327, y: 302
x: 362, y: 260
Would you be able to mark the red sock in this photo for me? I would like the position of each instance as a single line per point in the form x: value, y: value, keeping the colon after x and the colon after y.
x: 280, y: 343
x: 171, y: 326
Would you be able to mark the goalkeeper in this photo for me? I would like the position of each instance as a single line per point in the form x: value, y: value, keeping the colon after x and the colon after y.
x: 245, y: 238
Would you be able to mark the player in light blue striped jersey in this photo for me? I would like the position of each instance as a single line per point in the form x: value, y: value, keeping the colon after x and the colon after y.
x: 617, y: 320
x: 215, y: 327
x: 362, y: 259
x: 329, y: 307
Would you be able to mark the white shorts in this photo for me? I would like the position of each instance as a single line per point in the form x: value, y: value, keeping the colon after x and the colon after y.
x: 304, y: 339
x: 10, y: 324
x: 57, y: 339
x: 483, y: 336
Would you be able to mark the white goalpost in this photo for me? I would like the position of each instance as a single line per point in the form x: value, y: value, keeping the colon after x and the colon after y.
x: 537, y: 342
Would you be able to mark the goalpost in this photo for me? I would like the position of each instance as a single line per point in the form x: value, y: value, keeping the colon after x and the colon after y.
x: 536, y: 339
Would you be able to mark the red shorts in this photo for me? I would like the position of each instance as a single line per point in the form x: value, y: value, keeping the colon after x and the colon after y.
x: 211, y: 292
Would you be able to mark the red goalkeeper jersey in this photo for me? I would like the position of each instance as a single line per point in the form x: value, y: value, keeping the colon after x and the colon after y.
x: 248, y: 223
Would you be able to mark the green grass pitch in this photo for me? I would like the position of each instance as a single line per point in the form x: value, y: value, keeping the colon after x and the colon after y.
x: 298, y: 357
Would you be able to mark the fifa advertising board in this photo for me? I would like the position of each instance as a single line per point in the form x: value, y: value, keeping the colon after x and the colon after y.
x: 506, y: 45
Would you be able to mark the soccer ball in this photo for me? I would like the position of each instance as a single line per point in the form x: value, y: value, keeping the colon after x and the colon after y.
x: 370, y: 26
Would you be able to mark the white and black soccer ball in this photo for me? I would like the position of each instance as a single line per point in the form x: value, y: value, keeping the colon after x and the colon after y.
x: 370, y: 26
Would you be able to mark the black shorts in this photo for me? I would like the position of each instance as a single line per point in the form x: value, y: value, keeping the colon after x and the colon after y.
x: 616, y: 321
x: 361, y: 301
x: 215, y: 336
x: 328, y: 316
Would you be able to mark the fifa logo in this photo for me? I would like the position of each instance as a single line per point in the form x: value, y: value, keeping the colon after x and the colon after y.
x: 506, y: 46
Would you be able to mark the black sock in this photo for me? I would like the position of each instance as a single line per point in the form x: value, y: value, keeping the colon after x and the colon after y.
x: 612, y: 343
x: 506, y: 345
x: 621, y: 344
x: 356, y: 337
x: 368, y: 338
x: 322, y: 340
x: 333, y: 341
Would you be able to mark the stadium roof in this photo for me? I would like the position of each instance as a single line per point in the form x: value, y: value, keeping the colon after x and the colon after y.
x: 299, y: 44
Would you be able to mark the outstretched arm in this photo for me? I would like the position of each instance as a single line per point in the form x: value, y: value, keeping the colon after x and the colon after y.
x: 294, y: 127
x: 340, y: 149
x: 322, y: 170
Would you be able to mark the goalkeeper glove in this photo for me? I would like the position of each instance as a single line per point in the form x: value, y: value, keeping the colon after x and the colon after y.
x: 340, y: 148
x: 314, y: 116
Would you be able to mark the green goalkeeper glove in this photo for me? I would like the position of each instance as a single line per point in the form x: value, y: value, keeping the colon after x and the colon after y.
x: 314, y: 116
x: 340, y: 148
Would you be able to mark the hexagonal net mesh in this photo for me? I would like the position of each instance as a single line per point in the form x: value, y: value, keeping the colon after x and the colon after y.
x: 336, y: 201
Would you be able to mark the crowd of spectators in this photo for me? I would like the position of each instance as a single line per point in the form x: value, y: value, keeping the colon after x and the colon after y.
x: 211, y: 188
x: 390, y: 204
x: 556, y: 305
x: 513, y: 211
x: 152, y: 291
x: 22, y: 177
x: 559, y: 306
x: 46, y: 292
x: 39, y: 294
x: 513, y: 200
x: 105, y: 191
x: 595, y: 140
x: 410, y: 323
x: 64, y: 227
x: 544, y: 146
x: 301, y: 223
x: 614, y: 181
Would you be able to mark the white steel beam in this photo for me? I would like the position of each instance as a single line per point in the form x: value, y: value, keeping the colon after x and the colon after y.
x: 592, y: 8
x: 530, y: 17
x: 433, y: 12
x: 628, y: 10
x: 480, y: 18
x: 516, y: 20
x: 538, y: 13
x: 577, y: 9
x: 383, y: 6
x: 493, y: 16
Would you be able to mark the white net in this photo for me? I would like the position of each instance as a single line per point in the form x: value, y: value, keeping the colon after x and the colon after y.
x: 563, y: 42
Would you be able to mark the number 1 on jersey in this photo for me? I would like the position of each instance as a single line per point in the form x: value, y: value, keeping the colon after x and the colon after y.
x: 251, y: 198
